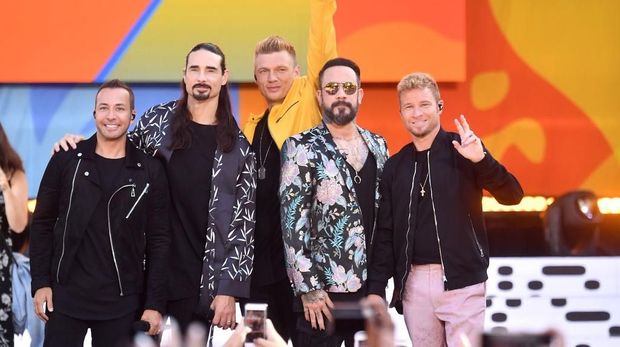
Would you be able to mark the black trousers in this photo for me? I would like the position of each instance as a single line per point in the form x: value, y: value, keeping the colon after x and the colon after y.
x: 64, y: 331
x: 279, y: 298
x: 184, y: 312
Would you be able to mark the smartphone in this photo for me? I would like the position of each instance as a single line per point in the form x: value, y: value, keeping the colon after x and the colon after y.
x: 348, y: 316
x: 255, y: 317
x: 360, y: 339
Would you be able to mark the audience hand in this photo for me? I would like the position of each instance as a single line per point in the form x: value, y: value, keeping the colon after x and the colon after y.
x: 272, y: 338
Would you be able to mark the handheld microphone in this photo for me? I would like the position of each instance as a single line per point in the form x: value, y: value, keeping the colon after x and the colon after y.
x: 141, y: 325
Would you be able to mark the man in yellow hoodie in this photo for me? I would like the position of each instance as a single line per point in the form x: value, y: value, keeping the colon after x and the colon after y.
x: 292, y: 107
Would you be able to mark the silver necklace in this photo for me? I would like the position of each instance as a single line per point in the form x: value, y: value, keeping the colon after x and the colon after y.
x: 357, y: 179
x: 422, y: 185
x: 262, y: 172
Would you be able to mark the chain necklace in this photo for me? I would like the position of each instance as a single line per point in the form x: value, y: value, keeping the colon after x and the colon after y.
x: 262, y: 172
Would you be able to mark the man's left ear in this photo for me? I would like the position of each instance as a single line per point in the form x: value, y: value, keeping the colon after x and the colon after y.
x: 297, y: 70
x: 133, y: 115
x: 360, y: 95
x: 440, y: 105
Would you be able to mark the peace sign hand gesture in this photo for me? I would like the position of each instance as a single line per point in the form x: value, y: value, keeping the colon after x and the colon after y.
x: 470, y: 146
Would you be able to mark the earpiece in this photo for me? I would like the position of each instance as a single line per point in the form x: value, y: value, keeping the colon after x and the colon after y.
x: 440, y: 105
x: 94, y: 114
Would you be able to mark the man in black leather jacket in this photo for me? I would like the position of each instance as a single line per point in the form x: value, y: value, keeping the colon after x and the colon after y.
x: 100, y: 233
x: 430, y: 232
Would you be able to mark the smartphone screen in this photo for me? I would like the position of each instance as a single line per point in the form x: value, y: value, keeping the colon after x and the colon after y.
x: 255, y: 316
x: 360, y: 339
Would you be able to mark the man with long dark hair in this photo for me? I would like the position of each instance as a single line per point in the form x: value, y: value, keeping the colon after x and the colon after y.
x: 211, y: 171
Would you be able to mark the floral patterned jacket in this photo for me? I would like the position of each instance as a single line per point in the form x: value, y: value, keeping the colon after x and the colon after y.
x: 230, y: 231
x: 322, y: 224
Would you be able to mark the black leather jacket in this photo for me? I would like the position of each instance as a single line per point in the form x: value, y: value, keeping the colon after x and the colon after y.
x: 137, y: 213
x: 455, y: 186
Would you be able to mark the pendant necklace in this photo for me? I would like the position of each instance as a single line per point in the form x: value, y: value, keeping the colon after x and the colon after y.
x: 357, y: 179
x: 422, y: 185
x: 345, y: 152
x: 262, y: 172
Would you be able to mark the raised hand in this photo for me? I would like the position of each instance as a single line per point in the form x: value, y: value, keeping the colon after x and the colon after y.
x: 470, y: 146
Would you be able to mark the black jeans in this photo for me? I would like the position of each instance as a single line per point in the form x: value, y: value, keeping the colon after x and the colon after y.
x: 64, y: 331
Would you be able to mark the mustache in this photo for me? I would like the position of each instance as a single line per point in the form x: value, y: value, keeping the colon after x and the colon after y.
x: 201, y: 85
x: 341, y: 103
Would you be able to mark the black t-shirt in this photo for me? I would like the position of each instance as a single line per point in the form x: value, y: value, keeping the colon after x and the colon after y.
x: 269, y: 266
x: 425, y: 245
x: 189, y: 176
x: 92, y: 289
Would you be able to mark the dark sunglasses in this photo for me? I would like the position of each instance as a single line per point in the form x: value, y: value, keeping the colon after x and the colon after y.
x: 332, y: 88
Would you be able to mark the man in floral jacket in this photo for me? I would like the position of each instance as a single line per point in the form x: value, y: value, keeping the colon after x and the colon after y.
x: 329, y: 194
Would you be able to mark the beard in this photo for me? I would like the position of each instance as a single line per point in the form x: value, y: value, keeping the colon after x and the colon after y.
x: 340, y: 118
x: 201, y: 96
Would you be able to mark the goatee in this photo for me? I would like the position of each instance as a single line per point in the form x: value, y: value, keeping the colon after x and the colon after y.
x: 340, y: 118
x: 201, y: 96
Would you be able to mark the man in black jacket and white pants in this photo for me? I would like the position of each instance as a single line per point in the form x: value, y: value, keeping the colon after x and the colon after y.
x: 100, y: 233
x: 430, y: 232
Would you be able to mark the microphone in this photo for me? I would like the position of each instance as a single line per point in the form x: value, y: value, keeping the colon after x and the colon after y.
x: 141, y: 325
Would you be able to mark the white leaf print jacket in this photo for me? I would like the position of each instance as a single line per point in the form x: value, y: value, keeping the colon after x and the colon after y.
x: 229, y: 248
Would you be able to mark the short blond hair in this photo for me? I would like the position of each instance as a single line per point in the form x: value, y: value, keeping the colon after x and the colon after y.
x: 419, y: 80
x: 273, y: 44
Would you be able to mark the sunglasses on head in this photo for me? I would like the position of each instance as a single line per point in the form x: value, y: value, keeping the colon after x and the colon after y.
x: 332, y: 88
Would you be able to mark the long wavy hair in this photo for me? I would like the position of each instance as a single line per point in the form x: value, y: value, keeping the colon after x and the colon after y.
x: 226, y: 128
x: 9, y: 159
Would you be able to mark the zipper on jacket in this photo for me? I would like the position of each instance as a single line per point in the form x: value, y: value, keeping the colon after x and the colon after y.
x: 285, y: 112
x: 402, y: 281
x: 473, y: 230
x: 64, y: 233
x: 133, y: 194
x: 118, y: 274
x: 430, y: 186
